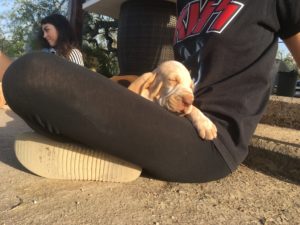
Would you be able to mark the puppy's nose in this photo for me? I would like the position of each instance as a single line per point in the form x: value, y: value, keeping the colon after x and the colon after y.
x: 188, y: 99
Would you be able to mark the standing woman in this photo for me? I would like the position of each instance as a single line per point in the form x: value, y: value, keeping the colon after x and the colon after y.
x: 59, y: 38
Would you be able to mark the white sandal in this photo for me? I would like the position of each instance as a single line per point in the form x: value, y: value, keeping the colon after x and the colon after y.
x: 61, y: 160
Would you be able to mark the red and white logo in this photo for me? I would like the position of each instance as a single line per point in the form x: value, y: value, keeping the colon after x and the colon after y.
x: 205, y: 16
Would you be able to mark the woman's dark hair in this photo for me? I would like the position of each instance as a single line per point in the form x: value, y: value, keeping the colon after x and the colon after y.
x: 66, y: 36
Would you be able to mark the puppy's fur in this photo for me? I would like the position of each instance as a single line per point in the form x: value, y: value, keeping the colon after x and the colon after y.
x: 170, y: 85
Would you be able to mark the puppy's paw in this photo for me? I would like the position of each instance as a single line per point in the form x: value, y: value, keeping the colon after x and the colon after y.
x: 206, y: 129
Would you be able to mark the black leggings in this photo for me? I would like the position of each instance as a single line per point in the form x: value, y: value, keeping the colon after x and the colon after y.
x: 60, y: 99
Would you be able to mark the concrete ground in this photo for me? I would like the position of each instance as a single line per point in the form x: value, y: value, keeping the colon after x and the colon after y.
x: 251, y: 195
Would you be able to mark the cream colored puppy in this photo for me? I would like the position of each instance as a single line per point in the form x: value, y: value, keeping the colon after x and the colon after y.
x: 170, y: 85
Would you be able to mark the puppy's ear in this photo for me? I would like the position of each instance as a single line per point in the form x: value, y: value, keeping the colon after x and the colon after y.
x: 142, y: 84
x: 155, y: 87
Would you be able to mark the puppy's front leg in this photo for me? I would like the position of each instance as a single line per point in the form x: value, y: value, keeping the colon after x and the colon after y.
x: 204, y: 126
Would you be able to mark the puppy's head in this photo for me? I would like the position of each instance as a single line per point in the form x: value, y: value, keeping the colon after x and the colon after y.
x: 170, y: 85
x: 175, y: 87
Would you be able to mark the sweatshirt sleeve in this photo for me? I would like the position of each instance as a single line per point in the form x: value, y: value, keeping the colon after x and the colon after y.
x: 288, y: 12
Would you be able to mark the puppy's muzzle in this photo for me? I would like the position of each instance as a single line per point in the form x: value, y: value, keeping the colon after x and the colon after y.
x: 178, y: 101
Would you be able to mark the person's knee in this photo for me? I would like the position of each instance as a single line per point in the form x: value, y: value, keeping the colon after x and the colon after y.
x: 22, y: 73
x: 26, y: 68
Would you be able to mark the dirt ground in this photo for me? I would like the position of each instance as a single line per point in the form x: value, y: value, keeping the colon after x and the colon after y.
x: 248, y: 196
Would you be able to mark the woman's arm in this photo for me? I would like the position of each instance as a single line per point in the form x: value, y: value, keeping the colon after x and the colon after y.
x: 293, y: 44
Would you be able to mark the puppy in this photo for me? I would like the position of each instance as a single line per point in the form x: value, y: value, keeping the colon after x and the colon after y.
x: 170, y: 85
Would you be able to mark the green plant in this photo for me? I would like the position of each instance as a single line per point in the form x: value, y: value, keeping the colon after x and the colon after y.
x: 99, y: 44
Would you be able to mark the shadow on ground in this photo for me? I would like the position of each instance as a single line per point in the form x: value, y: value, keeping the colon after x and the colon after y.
x: 274, y: 164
